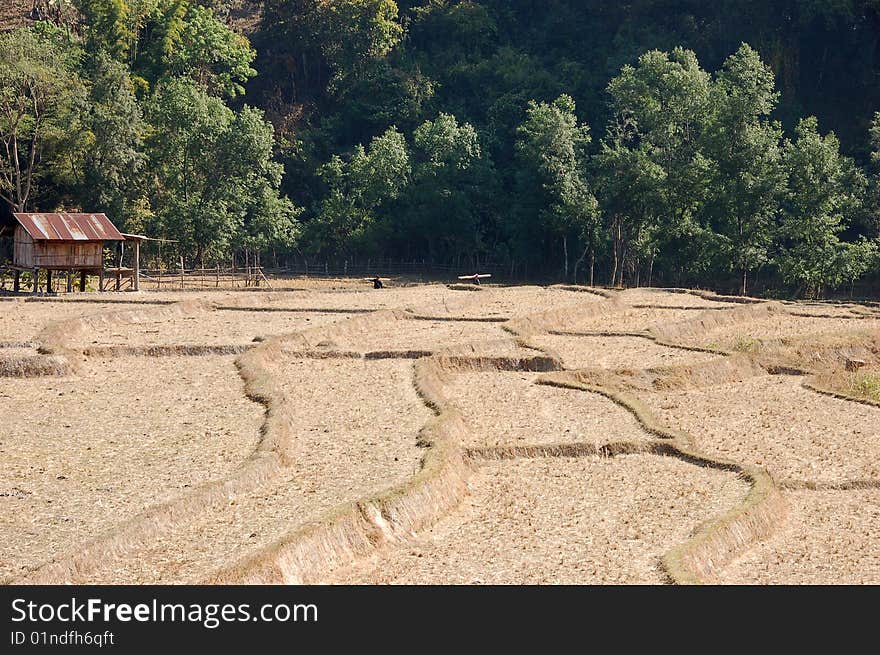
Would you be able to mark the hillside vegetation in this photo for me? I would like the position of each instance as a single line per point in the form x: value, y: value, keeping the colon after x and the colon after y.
x: 729, y: 144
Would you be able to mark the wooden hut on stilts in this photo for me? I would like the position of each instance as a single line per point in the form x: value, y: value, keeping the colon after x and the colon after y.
x: 73, y: 243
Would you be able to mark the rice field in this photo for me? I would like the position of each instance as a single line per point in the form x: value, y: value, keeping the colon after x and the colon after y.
x: 426, y: 434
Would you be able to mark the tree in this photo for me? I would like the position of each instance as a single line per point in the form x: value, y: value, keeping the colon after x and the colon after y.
x: 748, y: 177
x: 356, y: 32
x: 824, y: 190
x: 357, y: 190
x: 667, y: 101
x: 874, y: 134
x: 444, y: 209
x: 208, y: 52
x: 109, y: 161
x: 39, y: 87
x: 214, y: 178
x: 109, y: 26
x: 629, y: 186
x: 872, y: 206
x: 320, y: 43
x: 551, y: 147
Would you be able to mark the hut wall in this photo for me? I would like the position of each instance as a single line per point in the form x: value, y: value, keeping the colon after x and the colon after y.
x: 63, y: 255
x: 23, y: 248
x: 56, y: 254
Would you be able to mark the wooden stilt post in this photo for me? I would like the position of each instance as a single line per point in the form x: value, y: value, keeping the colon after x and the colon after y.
x: 36, y: 280
x: 101, y: 280
x: 69, y: 281
x: 137, y: 265
x: 82, y: 280
x: 16, y: 281
x: 120, y: 248
x: 48, y: 280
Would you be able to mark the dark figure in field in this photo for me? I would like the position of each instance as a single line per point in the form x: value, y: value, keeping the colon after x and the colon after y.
x: 377, y: 283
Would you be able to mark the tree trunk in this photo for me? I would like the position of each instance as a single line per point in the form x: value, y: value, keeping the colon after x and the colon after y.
x: 565, y: 255
x: 621, y: 267
x: 615, y: 235
x: 743, y: 288
x: 592, y: 266
x: 577, y: 264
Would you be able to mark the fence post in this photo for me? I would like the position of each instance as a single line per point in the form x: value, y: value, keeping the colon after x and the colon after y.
x: 181, y: 272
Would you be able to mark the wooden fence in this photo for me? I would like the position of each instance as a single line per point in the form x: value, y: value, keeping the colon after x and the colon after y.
x: 261, y: 277
x: 204, y: 278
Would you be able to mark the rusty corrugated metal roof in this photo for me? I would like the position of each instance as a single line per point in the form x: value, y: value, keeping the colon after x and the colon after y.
x: 69, y: 227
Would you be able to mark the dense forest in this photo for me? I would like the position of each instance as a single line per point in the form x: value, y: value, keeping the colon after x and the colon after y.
x: 732, y: 144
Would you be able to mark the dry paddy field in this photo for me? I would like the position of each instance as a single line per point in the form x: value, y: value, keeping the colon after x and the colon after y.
x: 324, y: 431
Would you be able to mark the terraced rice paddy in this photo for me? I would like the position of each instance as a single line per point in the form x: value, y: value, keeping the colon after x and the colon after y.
x: 327, y: 432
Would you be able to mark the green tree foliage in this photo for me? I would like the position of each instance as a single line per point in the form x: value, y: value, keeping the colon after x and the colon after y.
x: 357, y: 32
x: 446, y: 212
x: 358, y: 190
x: 82, y: 128
x: 212, y: 170
x: 211, y: 54
x: 875, y: 138
x: 334, y: 40
x: 552, y: 149
x: 110, y: 26
x: 745, y: 147
x: 824, y: 190
x: 39, y: 89
x: 629, y: 187
x: 109, y: 162
x: 689, y: 180
x: 667, y: 100
x: 172, y: 38
x: 872, y: 204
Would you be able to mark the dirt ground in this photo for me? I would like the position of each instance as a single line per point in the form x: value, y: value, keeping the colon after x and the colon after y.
x: 356, y: 425
x: 509, y: 409
x: 774, y: 422
x: 627, y: 319
x: 213, y: 327
x: 561, y: 521
x: 750, y: 335
x: 78, y: 455
x: 830, y: 538
x: 83, y: 455
x: 617, y: 352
